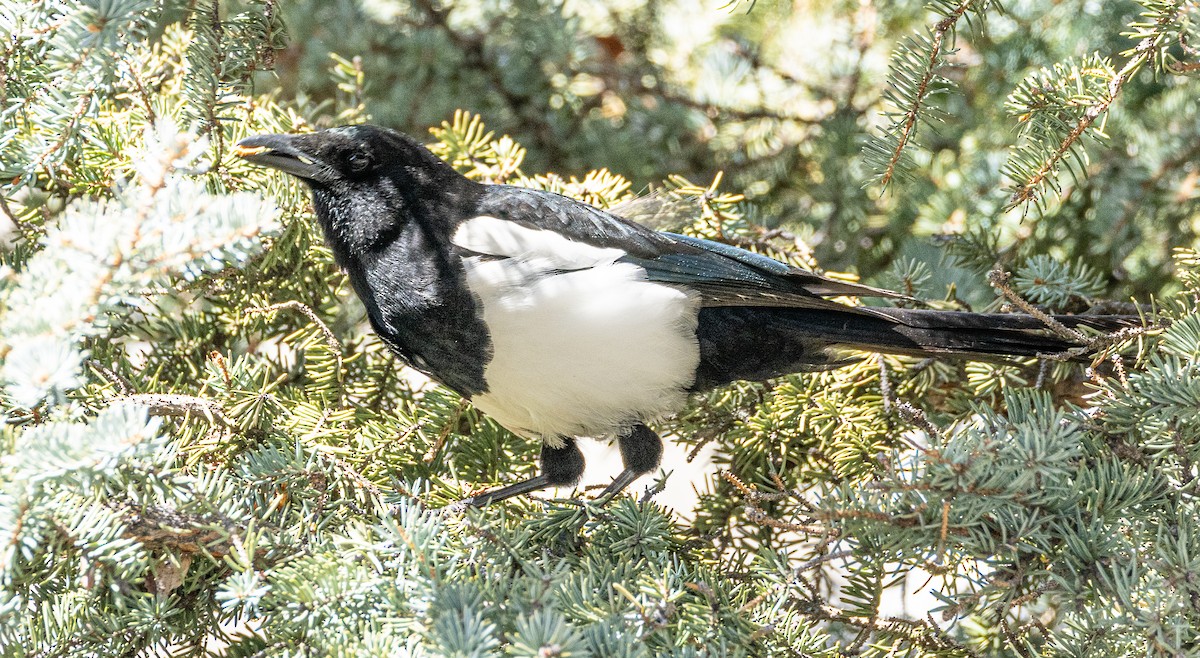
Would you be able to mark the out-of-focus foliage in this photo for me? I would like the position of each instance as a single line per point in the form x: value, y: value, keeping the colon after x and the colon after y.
x: 205, y: 450
x: 805, y: 105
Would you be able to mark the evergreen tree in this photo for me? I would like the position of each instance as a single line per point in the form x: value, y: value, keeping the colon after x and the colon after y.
x: 206, y: 451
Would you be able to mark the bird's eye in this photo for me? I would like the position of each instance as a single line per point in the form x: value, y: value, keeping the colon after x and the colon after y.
x: 358, y: 162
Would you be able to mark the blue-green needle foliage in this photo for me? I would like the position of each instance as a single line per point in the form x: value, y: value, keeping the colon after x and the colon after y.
x: 206, y: 452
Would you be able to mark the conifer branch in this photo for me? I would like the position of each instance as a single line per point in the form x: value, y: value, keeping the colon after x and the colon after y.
x: 1029, y: 187
x: 915, y: 89
x: 305, y: 502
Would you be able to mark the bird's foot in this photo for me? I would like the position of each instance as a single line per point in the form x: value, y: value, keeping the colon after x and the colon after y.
x: 526, y: 486
x: 619, y: 483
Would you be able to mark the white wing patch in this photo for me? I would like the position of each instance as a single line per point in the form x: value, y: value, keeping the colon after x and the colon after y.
x: 499, y: 237
x: 583, y: 352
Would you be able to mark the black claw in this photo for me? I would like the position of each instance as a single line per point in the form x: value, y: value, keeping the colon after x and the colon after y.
x: 561, y: 467
x: 623, y: 479
x: 641, y: 452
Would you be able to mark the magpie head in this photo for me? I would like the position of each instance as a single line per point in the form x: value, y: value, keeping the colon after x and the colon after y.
x: 367, y: 181
x: 341, y: 159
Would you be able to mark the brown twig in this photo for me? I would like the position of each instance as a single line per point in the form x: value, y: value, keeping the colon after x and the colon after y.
x: 909, y: 124
x: 1142, y: 52
x: 330, y: 339
x: 917, y: 417
x: 1000, y: 281
x: 440, y: 443
x: 184, y: 406
x: 124, y: 386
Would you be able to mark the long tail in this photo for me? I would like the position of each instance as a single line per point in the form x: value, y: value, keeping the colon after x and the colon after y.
x: 925, y: 332
x: 756, y: 343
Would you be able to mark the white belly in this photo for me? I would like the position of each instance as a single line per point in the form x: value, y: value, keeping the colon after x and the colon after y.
x: 585, y: 352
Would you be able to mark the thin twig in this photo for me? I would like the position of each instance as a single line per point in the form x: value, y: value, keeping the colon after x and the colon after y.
x: 909, y: 125
x: 818, y: 561
x: 184, y: 406
x: 999, y: 280
x: 19, y: 224
x: 917, y: 417
x: 885, y: 384
x: 1028, y: 190
x: 330, y: 339
x: 124, y: 386
x: 451, y: 423
x: 755, y: 514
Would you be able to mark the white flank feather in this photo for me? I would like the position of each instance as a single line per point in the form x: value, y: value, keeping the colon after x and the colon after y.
x: 584, y: 352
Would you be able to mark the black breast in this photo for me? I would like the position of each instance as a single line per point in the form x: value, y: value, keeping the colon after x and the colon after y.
x: 419, y: 304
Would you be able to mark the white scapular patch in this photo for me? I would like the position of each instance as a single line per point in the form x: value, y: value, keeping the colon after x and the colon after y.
x: 547, y: 249
x: 582, y: 345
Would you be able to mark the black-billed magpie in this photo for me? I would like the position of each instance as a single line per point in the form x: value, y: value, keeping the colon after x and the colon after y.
x: 560, y: 320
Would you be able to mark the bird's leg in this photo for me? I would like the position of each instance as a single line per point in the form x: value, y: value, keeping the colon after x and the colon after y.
x: 641, y: 452
x: 561, y: 466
